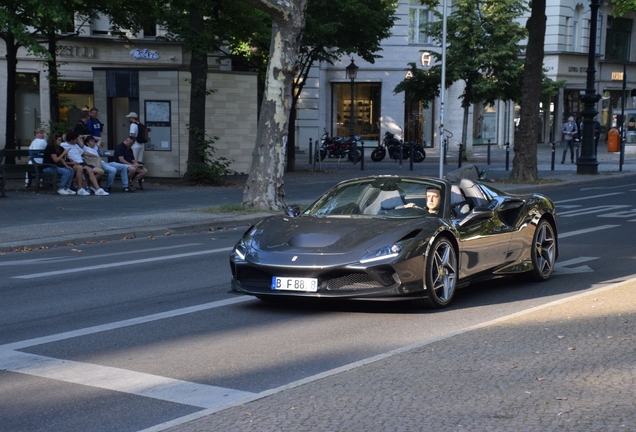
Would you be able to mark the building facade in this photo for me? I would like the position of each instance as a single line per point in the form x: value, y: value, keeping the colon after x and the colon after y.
x: 151, y: 78
x: 145, y: 76
x: 325, y: 102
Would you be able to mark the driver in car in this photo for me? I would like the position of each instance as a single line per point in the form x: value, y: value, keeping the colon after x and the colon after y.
x: 433, y: 198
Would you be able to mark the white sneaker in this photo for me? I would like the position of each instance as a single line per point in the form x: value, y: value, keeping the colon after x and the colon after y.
x: 101, y: 191
x: 62, y: 191
x: 83, y: 192
x: 70, y: 192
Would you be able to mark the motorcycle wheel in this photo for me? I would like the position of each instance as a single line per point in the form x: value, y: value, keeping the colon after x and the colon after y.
x: 419, y: 155
x: 323, y: 154
x: 351, y: 155
x: 378, y: 154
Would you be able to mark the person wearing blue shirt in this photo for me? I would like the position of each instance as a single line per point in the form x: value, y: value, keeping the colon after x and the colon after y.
x: 95, y: 126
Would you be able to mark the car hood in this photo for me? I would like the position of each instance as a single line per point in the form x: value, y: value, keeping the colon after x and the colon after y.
x: 320, y: 236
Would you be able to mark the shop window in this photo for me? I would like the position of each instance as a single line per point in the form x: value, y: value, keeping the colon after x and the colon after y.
x: 366, y: 110
x: 75, y: 97
x: 484, y: 124
x: 418, y: 16
x: 619, y: 33
x: 418, y: 123
x: 27, y: 107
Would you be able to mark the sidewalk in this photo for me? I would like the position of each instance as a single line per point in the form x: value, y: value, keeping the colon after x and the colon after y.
x: 29, y: 220
x: 566, y: 366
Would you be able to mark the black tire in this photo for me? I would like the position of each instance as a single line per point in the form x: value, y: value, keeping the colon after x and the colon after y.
x: 323, y: 154
x: 543, y: 250
x: 440, y: 274
x: 378, y: 154
x: 352, y: 158
x: 419, y: 155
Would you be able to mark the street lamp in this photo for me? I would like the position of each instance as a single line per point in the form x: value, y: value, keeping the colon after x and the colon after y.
x: 352, y: 72
x: 587, y: 162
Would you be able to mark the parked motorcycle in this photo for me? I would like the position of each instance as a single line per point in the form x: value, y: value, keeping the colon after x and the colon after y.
x: 391, y: 145
x: 339, y: 147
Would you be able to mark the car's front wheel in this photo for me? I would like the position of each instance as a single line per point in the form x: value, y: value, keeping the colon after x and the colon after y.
x: 543, y: 252
x: 440, y: 274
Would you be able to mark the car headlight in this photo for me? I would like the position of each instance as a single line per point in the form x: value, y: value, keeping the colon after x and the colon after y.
x: 382, y: 253
x: 240, y: 250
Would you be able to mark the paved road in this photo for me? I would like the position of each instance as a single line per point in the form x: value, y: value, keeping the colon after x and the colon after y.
x: 33, y: 220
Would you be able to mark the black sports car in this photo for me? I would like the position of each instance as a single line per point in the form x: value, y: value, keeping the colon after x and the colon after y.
x: 391, y: 238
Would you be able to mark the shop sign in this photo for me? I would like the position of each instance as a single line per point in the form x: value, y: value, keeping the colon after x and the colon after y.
x: 144, y: 54
x: 617, y: 76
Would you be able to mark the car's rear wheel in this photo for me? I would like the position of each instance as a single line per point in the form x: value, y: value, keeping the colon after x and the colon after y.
x: 543, y: 251
x: 440, y: 274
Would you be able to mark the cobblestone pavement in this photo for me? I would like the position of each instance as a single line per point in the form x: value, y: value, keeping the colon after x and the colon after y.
x: 565, y: 366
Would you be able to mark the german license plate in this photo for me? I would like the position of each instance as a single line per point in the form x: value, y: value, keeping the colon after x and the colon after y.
x: 294, y: 284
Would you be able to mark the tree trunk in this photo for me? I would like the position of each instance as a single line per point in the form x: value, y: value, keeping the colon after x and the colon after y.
x: 198, y: 90
x: 524, y: 163
x: 291, y: 140
x: 264, y: 187
x: 54, y: 89
x: 12, y: 63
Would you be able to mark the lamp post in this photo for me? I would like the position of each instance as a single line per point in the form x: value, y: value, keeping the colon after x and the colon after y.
x: 352, y: 72
x: 587, y: 162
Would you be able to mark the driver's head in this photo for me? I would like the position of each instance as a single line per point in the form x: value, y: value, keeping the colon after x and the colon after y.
x: 433, y: 197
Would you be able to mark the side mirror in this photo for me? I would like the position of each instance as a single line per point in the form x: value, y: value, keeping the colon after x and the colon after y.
x: 292, y: 211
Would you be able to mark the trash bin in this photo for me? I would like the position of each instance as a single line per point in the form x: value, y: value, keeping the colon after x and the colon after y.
x: 613, y: 140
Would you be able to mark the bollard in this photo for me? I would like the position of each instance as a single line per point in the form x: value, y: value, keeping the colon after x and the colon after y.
x: 553, y: 157
x: 401, y: 153
x: 411, y: 158
x: 445, y: 150
x: 311, y: 149
x: 576, y: 153
x: 362, y: 153
x: 488, y: 159
x: 461, y: 155
x: 508, y: 156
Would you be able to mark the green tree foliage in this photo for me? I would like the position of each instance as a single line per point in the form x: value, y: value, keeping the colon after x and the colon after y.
x: 333, y: 30
x: 483, y: 50
x: 205, y: 27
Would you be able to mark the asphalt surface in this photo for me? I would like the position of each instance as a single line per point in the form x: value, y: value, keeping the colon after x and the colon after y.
x: 46, y: 219
x: 567, y: 365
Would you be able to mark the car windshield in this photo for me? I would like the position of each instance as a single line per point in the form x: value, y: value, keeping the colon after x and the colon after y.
x: 380, y: 197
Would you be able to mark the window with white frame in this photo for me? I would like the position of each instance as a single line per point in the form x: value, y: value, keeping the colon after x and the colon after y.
x: 418, y: 16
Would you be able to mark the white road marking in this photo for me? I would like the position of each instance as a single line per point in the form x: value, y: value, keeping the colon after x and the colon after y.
x: 608, y: 188
x: 560, y: 267
x: 590, y: 210
x: 586, y: 230
x: 124, y: 323
x: 74, y: 257
x: 588, y: 197
x: 376, y: 358
x: 106, y: 377
x: 120, y: 380
x: 121, y: 263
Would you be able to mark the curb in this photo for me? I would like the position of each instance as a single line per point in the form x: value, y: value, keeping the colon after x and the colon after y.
x: 131, y: 233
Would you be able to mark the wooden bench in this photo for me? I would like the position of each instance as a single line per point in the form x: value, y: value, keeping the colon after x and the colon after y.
x: 22, y: 167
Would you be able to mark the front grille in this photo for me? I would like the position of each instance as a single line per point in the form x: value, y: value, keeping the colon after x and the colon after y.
x: 352, y: 282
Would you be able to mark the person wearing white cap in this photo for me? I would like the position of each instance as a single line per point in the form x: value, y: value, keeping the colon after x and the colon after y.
x: 138, y: 149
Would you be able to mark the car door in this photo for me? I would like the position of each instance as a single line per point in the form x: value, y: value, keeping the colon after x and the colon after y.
x: 484, y: 241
